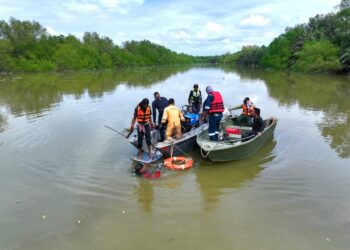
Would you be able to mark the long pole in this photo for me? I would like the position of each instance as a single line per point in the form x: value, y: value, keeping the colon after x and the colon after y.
x: 126, y: 137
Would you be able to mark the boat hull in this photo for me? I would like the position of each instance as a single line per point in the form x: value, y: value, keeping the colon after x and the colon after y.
x: 221, y: 152
x: 174, y: 147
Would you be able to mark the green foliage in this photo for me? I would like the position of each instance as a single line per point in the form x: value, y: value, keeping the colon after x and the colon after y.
x: 323, y: 44
x: 26, y: 46
x: 318, y: 56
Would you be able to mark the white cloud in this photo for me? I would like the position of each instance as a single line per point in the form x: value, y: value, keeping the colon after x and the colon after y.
x: 214, y: 27
x: 180, y: 34
x: 53, y: 32
x: 255, y: 20
x: 120, y: 6
x: 84, y: 8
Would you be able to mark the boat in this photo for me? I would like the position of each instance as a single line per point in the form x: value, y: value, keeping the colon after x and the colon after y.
x: 235, y: 148
x: 175, y: 147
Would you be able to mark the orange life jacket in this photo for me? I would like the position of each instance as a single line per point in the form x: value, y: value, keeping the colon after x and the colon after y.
x: 143, y: 116
x: 217, y: 105
x: 247, y: 110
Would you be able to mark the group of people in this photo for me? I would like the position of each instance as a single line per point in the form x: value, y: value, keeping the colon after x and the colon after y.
x: 170, y: 116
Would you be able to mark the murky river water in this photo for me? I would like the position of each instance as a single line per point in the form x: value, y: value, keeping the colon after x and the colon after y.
x: 65, y: 179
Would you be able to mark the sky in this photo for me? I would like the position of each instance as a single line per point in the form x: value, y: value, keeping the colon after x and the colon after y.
x: 195, y: 27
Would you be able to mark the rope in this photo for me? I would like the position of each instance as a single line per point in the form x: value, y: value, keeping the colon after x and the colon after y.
x: 206, y: 155
x: 186, y: 154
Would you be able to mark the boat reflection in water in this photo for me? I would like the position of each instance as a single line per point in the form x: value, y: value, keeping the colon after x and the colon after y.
x: 214, y: 181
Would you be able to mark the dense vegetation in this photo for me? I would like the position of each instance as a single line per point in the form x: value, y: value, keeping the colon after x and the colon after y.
x: 322, y: 45
x: 27, y: 46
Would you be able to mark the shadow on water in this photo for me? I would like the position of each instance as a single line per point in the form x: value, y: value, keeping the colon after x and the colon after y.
x: 326, y: 93
x: 33, y: 94
x: 215, y: 179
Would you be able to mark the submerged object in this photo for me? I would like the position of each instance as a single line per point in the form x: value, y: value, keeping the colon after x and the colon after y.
x: 237, y: 148
x: 144, y: 171
x: 146, y: 158
x: 178, y: 163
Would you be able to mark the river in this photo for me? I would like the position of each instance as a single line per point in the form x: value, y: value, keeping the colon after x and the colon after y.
x: 65, y: 180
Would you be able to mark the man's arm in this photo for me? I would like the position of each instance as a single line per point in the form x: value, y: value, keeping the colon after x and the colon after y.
x: 262, y: 126
x: 182, y: 118
x: 235, y: 108
x: 189, y: 98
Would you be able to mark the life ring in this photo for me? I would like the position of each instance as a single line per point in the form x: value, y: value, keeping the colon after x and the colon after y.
x: 173, y: 163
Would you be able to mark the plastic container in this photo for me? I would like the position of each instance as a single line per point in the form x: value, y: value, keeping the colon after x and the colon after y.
x: 233, y: 132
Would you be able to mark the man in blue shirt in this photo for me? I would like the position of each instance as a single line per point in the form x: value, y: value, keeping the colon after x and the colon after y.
x: 159, y: 103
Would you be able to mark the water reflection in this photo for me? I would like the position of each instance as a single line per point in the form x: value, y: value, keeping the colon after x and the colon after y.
x: 145, y: 194
x: 326, y: 93
x: 34, y: 94
x: 145, y: 190
x: 2, y: 123
x: 215, y: 181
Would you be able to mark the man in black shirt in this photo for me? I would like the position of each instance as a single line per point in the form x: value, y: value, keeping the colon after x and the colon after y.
x: 257, y: 127
x: 159, y: 103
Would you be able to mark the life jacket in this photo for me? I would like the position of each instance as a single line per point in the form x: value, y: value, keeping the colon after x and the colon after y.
x: 247, y: 109
x: 217, y: 105
x: 143, y: 116
x: 195, y: 97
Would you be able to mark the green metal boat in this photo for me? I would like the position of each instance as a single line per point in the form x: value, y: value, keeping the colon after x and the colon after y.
x: 235, y: 148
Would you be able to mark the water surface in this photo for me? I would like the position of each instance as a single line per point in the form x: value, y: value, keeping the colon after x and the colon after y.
x: 65, y: 179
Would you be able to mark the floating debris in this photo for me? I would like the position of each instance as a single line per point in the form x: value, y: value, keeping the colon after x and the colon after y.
x: 44, y: 216
x: 79, y: 221
x: 328, y: 239
x: 17, y: 201
x: 123, y: 212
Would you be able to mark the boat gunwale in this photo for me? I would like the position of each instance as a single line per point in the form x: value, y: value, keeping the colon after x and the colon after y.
x: 229, y: 143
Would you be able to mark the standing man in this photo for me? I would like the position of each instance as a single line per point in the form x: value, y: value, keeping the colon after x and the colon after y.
x: 172, y: 116
x: 159, y: 103
x: 142, y: 115
x: 214, y: 106
x: 195, y: 99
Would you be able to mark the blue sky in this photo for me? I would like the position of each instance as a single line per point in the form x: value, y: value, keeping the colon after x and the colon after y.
x: 197, y: 27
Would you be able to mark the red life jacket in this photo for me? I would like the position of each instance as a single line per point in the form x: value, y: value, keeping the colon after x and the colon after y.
x: 217, y: 105
x: 142, y: 116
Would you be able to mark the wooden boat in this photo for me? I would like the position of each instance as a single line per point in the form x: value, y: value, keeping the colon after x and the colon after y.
x: 234, y: 149
x: 176, y: 147
x: 173, y: 147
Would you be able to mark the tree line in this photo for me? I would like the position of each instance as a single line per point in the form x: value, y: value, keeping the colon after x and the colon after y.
x: 27, y: 46
x: 321, y: 45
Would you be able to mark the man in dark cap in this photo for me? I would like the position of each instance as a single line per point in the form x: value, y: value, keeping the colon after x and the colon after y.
x: 257, y: 125
x: 142, y: 115
x: 214, y: 106
x: 195, y: 99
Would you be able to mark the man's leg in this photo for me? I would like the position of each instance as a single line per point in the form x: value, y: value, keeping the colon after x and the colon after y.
x: 148, y: 138
x: 140, y: 135
x: 178, y: 132
x: 169, y: 131
x: 211, y: 129
x: 217, y: 120
x: 161, y: 128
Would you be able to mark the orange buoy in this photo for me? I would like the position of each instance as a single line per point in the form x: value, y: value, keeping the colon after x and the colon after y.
x: 178, y: 163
